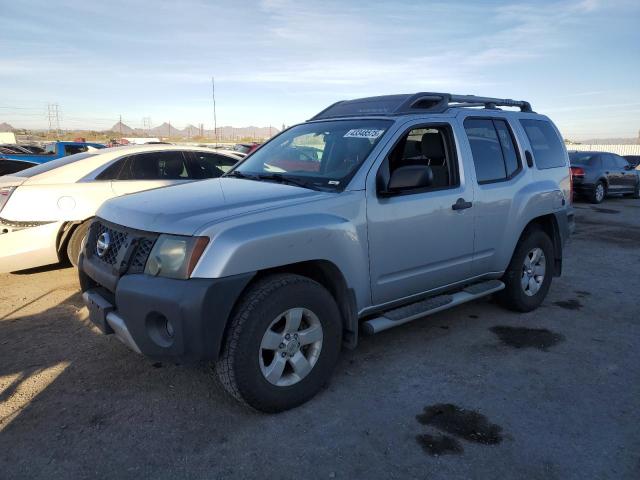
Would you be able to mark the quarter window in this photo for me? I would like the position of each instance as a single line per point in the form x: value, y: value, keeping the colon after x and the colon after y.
x: 494, y: 153
x: 548, y: 150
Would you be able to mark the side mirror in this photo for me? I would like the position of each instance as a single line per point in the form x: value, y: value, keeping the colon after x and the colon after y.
x: 628, y: 167
x: 408, y: 178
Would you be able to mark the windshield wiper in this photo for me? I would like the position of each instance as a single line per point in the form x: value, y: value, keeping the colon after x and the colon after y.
x: 237, y: 174
x: 278, y: 177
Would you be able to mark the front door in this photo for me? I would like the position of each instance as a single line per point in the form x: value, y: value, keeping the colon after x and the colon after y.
x: 417, y: 240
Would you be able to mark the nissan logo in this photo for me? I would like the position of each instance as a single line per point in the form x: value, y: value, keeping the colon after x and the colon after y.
x: 103, y: 243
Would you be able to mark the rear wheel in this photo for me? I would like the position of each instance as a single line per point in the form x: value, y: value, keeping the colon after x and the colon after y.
x: 75, y: 242
x: 282, y: 344
x: 599, y: 192
x: 528, y: 276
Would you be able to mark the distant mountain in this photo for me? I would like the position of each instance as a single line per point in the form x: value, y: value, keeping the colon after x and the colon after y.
x: 5, y: 127
x: 121, y: 127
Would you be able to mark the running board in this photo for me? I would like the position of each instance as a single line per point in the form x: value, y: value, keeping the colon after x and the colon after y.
x: 413, y: 311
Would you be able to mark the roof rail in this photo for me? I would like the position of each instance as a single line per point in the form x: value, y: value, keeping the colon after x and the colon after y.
x: 423, y: 102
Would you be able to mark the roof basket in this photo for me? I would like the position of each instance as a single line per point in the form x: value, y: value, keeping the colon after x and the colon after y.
x: 424, y: 102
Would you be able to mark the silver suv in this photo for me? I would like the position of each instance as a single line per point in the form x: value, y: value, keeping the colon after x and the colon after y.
x: 374, y: 213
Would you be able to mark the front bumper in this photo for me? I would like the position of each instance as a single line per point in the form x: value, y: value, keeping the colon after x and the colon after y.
x: 164, y: 318
x: 28, y: 247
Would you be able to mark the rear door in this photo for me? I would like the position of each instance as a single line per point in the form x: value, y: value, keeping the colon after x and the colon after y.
x: 417, y: 241
x: 611, y: 171
x: 143, y: 171
x: 628, y: 177
x: 499, y: 175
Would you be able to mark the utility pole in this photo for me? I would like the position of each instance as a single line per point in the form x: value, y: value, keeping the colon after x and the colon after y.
x: 215, y: 120
x: 120, y: 128
x: 146, y: 125
x: 169, y: 129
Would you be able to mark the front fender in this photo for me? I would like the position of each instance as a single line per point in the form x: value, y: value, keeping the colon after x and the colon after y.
x: 277, y: 242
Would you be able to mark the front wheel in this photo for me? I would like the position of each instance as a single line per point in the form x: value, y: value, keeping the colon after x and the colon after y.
x: 528, y: 277
x: 75, y: 242
x: 282, y: 344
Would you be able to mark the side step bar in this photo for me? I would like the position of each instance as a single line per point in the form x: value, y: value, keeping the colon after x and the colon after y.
x: 413, y: 311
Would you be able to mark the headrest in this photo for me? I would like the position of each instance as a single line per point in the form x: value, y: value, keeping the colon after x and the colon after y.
x: 432, y: 146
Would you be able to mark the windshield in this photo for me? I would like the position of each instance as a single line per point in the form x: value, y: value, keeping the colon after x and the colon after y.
x: 45, y: 167
x: 323, y: 154
x: 582, y: 158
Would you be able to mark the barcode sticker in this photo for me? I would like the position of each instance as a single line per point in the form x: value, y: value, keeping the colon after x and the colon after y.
x: 363, y: 133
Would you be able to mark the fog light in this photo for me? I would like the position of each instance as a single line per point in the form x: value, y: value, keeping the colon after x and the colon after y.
x: 160, y: 329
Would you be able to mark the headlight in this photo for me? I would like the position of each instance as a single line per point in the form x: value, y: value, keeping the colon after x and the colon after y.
x: 174, y: 256
x: 5, y: 193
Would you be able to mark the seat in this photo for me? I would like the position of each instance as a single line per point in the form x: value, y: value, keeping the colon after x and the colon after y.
x: 435, y: 156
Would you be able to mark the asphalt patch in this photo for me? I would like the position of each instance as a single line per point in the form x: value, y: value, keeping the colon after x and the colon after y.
x: 465, y: 424
x: 520, y: 337
x: 571, y: 304
x: 439, y: 444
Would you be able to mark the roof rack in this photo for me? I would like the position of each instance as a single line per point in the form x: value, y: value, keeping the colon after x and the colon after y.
x: 424, y: 102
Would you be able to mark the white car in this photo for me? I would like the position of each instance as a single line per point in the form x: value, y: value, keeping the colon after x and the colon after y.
x: 45, y: 210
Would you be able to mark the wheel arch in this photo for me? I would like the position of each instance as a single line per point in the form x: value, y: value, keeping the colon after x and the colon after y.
x: 326, y: 274
x: 548, y: 224
x: 64, y: 235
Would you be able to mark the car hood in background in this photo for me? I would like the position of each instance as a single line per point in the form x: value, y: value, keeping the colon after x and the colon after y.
x: 183, y: 209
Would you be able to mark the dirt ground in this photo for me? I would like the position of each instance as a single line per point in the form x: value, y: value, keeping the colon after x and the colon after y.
x: 474, y: 392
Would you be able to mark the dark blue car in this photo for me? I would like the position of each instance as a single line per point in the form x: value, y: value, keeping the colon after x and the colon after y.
x: 598, y: 174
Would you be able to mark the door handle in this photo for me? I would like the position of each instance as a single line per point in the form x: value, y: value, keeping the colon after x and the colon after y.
x: 461, y: 204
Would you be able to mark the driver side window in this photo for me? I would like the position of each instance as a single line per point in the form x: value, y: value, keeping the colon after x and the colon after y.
x: 430, y: 146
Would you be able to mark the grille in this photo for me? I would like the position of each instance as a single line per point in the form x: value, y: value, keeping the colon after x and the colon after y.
x: 128, y: 249
x: 117, y: 241
x: 139, y: 259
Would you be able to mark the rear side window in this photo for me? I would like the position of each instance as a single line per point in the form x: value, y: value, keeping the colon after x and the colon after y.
x: 210, y: 165
x: 155, y: 166
x: 548, y: 150
x: 494, y: 153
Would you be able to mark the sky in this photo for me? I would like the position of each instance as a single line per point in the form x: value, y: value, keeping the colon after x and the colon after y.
x: 281, y: 61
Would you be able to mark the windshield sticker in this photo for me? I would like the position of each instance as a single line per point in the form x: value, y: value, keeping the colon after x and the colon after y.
x: 363, y: 133
x: 334, y: 182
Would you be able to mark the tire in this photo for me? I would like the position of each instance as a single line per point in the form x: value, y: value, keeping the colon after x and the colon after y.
x: 597, y: 195
x: 74, y: 245
x: 245, y: 363
x: 636, y: 192
x: 522, y: 298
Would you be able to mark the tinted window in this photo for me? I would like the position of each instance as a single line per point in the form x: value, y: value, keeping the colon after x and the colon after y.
x: 12, y: 166
x: 112, y: 172
x: 210, y: 165
x: 548, y: 150
x: 609, y: 161
x: 155, y: 166
x: 620, y: 162
x: 73, y: 149
x: 511, y: 159
x: 486, y: 150
x: 576, y: 158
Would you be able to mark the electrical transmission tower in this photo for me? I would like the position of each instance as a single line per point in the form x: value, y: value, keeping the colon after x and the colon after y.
x: 53, y: 115
x: 146, y: 125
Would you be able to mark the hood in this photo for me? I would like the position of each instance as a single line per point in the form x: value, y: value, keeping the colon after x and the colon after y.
x: 184, y: 209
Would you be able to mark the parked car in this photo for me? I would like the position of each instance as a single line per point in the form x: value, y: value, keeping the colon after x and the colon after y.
x: 598, y: 174
x: 234, y: 153
x: 45, y: 210
x: 55, y: 150
x: 12, y: 148
x: 634, y: 160
x: 246, y: 148
x: 417, y: 204
x: 8, y: 167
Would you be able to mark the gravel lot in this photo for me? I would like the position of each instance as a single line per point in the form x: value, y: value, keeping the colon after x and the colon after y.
x: 474, y: 392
